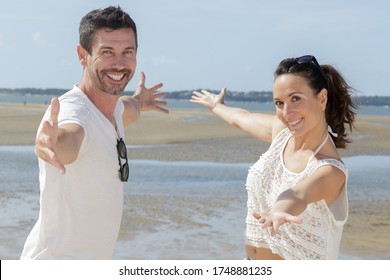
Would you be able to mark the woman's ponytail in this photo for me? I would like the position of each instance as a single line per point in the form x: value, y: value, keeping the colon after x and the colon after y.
x: 339, y: 109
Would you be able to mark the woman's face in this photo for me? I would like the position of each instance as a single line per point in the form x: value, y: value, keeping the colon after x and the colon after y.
x: 297, y: 105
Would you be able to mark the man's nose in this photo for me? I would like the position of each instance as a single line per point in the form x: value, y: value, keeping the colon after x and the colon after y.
x: 118, y: 62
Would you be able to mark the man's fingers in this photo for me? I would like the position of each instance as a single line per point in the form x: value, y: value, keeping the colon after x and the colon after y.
x: 142, y: 79
x: 161, y: 110
x: 54, y: 111
x: 43, y: 153
x: 56, y: 163
x: 160, y: 103
x: 46, y: 127
x: 45, y: 143
x: 158, y: 95
x: 49, y: 156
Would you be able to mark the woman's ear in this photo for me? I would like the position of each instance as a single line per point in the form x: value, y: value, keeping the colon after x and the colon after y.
x: 323, y: 98
x: 82, y: 54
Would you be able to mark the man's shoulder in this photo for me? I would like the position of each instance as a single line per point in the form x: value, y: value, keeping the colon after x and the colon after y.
x: 74, y: 105
x: 72, y: 95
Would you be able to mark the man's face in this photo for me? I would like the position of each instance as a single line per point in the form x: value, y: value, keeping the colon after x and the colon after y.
x: 112, y: 62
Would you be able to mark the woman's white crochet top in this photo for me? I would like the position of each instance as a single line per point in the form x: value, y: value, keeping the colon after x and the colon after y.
x: 319, y: 236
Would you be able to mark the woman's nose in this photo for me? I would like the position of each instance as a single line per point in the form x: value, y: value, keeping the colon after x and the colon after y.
x: 286, y: 110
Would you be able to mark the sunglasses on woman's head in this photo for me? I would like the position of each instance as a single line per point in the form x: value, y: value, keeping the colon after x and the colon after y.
x: 122, y: 154
x: 309, y: 59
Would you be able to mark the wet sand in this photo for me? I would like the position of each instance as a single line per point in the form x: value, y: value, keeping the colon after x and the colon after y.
x: 198, y: 135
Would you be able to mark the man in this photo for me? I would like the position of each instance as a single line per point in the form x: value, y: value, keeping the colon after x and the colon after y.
x: 80, y: 144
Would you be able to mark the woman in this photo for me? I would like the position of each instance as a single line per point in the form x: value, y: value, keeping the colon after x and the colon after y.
x: 297, y: 196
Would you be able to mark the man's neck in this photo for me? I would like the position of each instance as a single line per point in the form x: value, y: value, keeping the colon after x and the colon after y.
x: 103, y: 101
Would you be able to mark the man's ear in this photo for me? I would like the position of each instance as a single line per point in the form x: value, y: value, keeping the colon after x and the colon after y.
x: 82, y: 54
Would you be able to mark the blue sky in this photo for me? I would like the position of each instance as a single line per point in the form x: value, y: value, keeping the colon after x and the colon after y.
x: 203, y: 43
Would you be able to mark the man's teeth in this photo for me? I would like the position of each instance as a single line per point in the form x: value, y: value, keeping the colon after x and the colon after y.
x: 115, y: 77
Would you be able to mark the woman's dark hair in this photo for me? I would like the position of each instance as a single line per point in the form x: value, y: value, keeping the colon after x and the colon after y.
x: 110, y: 17
x: 339, y: 108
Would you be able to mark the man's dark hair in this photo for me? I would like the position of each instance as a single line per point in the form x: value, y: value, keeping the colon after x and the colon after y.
x: 110, y: 17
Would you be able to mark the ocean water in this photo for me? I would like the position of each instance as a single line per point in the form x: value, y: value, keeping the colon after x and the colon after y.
x: 369, y: 176
x: 191, y: 181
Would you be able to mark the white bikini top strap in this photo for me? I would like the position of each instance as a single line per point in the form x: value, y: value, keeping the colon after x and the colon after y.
x: 319, y: 147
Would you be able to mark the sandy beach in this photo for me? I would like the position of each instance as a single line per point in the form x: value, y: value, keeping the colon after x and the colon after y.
x: 197, y: 135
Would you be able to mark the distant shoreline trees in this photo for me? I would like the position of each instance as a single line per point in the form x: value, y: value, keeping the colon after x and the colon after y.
x: 247, y: 96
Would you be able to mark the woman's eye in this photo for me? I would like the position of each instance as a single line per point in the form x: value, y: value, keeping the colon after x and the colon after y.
x: 295, y: 99
x: 278, y: 103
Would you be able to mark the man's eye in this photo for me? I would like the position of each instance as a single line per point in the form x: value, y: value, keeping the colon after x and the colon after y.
x: 129, y: 53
